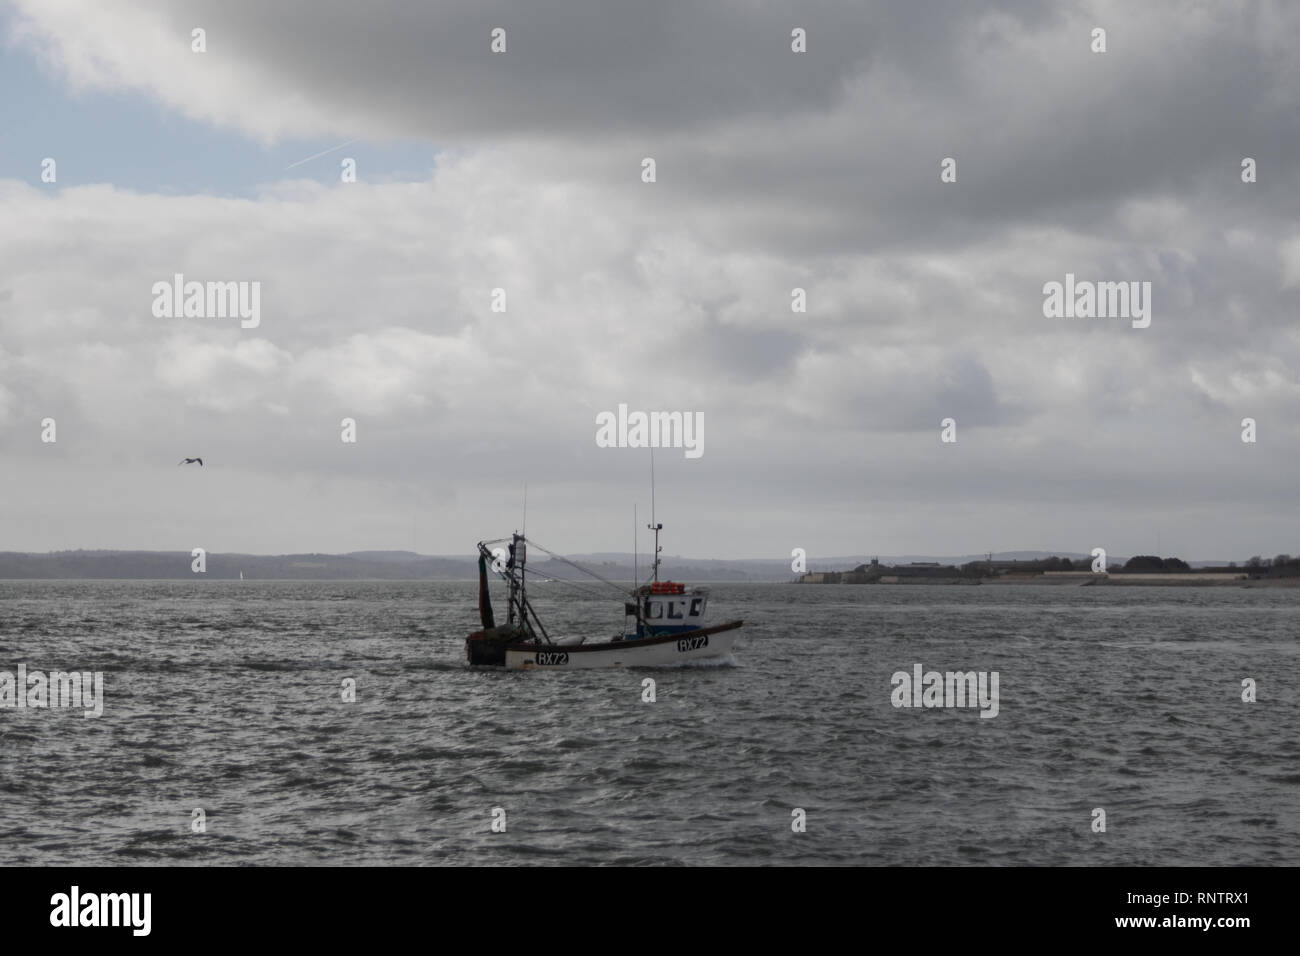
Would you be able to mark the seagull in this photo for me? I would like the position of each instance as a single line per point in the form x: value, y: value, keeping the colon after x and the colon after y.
x: 190, y: 461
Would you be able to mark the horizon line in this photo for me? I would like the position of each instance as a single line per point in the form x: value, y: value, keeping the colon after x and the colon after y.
x: 620, y: 554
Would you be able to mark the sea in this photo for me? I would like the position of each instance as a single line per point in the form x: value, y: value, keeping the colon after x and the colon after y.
x: 337, y: 723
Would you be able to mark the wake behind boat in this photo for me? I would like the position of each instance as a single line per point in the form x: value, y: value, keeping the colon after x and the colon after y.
x: 663, y: 621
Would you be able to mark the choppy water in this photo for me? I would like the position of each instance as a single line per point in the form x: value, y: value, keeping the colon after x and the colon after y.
x: 226, y: 697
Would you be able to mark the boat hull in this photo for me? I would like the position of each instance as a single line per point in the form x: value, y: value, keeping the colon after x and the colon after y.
x: 666, y: 650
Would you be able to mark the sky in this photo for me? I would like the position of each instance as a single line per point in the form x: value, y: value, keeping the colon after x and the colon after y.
x: 774, y: 170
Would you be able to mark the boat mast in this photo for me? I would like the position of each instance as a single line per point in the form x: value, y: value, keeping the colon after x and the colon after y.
x: 512, y: 600
x: 518, y: 558
x: 513, y: 575
x: 653, y: 526
x: 519, y: 549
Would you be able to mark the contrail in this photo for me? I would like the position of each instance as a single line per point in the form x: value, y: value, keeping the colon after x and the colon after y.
x: 320, y: 154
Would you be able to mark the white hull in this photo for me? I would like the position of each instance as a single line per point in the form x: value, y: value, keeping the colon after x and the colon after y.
x: 669, y: 651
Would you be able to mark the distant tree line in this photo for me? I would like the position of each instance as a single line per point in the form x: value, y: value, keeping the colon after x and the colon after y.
x: 1281, y: 565
x: 1149, y: 562
x: 1054, y: 563
x: 1281, y: 561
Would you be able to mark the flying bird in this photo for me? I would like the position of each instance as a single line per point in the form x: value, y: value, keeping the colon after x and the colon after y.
x: 190, y: 461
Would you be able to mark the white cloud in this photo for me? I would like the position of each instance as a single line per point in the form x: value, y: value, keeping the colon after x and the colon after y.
x: 924, y: 298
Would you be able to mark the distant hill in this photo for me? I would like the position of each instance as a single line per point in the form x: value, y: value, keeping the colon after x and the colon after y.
x: 358, y: 566
x: 384, y: 555
x: 162, y: 565
x: 409, y: 566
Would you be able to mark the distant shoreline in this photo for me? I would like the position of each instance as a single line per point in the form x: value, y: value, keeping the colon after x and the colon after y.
x: 1112, y: 581
x: 1040, y: 569
x: 1078, y: 580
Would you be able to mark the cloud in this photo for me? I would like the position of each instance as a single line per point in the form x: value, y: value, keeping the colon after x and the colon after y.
x: 775, y: 171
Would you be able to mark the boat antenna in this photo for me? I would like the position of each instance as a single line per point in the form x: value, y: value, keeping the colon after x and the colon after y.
x: 636, y: 576
x: 654, y: 525
x: 524, y: 526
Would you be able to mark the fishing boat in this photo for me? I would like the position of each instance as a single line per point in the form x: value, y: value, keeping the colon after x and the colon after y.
x: 663, y: 620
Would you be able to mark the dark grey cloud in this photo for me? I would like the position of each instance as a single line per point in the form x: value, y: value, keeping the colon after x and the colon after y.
x: 775, y: 170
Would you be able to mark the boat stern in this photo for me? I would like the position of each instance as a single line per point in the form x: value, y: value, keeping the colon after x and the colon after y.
x: 488, y: 646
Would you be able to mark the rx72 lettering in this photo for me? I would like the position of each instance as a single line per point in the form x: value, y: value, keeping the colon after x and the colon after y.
x: 693, y: 643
